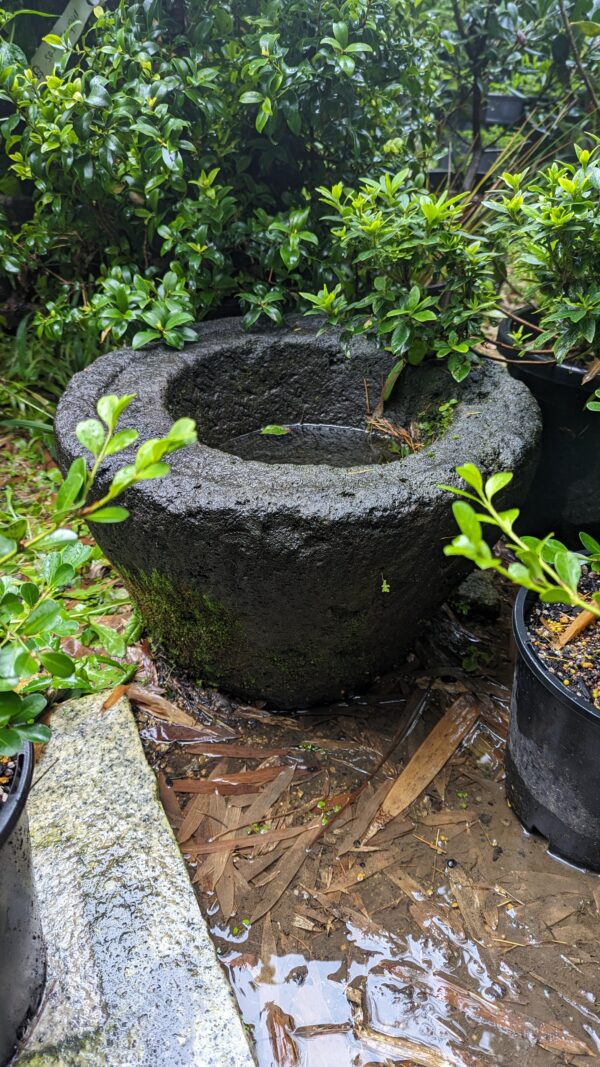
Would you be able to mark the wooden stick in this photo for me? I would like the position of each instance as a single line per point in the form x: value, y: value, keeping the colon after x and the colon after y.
x: 575, y: 628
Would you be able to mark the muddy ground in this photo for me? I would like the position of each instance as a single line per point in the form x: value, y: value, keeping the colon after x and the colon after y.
x: 370, y: 916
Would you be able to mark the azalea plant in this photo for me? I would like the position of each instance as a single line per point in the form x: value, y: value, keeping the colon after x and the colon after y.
x: 46, y: 608
x: 549, y: 225
x: 416, y: 278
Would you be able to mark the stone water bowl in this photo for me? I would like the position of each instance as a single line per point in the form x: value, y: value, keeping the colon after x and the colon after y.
x: 266, y: 575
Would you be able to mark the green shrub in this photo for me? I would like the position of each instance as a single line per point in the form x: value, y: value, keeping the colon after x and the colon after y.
x: 550, y: 228
x: 171, y: 157
x: 422, y: 283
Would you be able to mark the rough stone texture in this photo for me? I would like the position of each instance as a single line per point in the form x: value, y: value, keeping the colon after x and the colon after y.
x: 267, y: 578
x: 478, y: 595
x: 133, y: 980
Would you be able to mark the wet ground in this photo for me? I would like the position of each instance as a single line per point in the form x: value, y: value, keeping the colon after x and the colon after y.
x: 370, y: 914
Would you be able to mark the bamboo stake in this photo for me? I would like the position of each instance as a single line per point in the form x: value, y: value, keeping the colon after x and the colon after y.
x: 575, y: 628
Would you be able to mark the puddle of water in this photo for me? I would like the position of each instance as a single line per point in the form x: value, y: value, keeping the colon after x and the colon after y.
x: 376, y: 975
x: 319, y: 443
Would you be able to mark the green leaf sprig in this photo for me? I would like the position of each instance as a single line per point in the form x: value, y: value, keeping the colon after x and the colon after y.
x: 42, y: 603
x: 544, y: 565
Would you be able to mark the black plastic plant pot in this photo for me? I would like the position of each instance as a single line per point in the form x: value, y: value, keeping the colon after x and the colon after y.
x: 565, y: 494
x: 503, y: 109
x: 22, y: 953
x: 552, y: 755
x: 446, y: 169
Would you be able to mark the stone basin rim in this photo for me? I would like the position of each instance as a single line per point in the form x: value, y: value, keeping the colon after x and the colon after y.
x: 220, y: 480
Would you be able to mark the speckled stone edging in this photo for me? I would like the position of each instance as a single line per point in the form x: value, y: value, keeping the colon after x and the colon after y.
x: 133, y: 979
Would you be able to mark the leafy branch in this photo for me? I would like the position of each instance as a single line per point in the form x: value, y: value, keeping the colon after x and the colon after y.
x: 544, y: 565
x: 40, y: 602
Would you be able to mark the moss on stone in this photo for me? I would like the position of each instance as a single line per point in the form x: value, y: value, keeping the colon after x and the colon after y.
x: 194, y: 628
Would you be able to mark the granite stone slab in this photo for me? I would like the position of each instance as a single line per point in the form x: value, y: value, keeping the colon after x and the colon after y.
x: 133, y: 979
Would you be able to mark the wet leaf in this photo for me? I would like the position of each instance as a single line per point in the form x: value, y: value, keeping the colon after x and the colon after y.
x: 247, y: 840
x: 430, y: 757
x: 279, y: 1028
x: 289, y: 865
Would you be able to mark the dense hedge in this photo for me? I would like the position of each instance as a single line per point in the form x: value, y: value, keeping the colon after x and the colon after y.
x: 167, y: 168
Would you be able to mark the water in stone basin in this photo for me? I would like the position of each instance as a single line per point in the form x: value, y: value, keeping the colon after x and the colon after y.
x: 321, y: 443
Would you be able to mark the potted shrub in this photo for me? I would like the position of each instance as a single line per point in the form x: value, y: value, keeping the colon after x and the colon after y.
x: 42, y: 569
x: 550, y: 228
x: 415, y: 277
x: 554, y: 733
x: 22, y: 955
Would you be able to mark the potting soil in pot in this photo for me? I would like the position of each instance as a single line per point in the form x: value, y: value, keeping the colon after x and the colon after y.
x: 7, y: 770
x: 577, y: 665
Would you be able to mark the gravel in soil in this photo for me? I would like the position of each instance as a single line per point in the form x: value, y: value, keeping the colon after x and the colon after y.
x: 577, y: 664
x: 439, y: 935
x: 7, y: 770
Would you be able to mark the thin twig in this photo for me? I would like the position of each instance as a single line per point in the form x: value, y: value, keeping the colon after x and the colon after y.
x: 580, y: 67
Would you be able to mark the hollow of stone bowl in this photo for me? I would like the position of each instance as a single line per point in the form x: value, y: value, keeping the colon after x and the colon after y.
x: 266, y: 578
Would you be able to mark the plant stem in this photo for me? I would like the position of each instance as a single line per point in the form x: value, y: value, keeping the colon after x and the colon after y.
x: 576, y: 56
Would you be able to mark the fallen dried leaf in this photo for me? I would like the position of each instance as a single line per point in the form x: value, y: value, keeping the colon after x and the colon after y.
x: 430, y: 757
x: 550, y: 1036
x: 360, y: 872
x: 247, y: 841
x: 470, y: 899
x: 279, y: 1028
x: 289, y: 865
x: 365, y: 808
x: 241, y: 782
x: 169, y: 801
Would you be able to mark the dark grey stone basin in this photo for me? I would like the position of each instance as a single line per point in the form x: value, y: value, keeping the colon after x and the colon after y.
x: 266, y: 577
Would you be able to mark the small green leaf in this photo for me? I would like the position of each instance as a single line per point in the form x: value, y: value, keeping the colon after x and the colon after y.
x: 588, y: 29
x: 590, y: 544
x: 467, y: 521
x: 36, y: 732
x: 72, y: 485
x: 392, y: 378
x: 340, y: 32
x: 497, y: 482
x: 59, y: 537
x: 10, y: 704
x: 7, y: 545
x: 10, y: 742
x: 347, y: 65
x: 91, y: 434
x: 471, y: 475
x: 121, y: 440
x: 553, y: 596
x: 568, y: 567
x: 114, y: 513
x: 41, y: 619
x: 58, y: 663
x: 273, y: 430
x: 144, y: 337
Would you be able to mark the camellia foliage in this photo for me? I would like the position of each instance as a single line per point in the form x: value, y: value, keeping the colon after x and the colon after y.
x: 42, y: 601
x: 168, y: 164
x: 167, y: 168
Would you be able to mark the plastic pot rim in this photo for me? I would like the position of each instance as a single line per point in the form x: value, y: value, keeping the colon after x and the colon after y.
x: 12, y: 808
x: 570, y: 373
x: 525, y: 599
